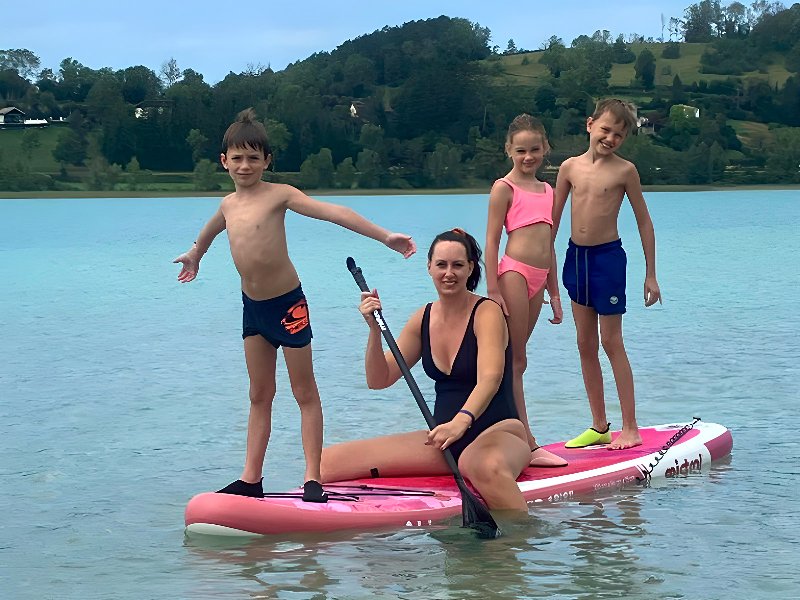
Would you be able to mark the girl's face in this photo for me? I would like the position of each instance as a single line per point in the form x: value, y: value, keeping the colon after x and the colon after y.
x: 527, y: 150
x: 449, y: 267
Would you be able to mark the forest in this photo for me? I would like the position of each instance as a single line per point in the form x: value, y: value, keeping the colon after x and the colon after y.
x: 423, y: 105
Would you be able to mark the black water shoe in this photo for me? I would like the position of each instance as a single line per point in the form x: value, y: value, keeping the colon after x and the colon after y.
x: 242, y: 488
x: 313, y: 492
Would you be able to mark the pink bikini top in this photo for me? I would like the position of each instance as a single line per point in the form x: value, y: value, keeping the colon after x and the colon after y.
x: 528, y: 208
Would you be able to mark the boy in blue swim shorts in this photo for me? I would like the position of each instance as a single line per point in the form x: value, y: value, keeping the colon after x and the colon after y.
x: 595, y: 276
x: 594, y: 268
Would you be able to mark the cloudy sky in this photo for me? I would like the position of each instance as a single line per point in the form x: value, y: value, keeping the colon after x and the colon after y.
x: 215, y: 38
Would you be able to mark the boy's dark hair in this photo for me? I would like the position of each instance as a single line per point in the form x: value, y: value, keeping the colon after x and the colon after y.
x: 620, y: 110
x: 246, y: 131
x: 473, y: 252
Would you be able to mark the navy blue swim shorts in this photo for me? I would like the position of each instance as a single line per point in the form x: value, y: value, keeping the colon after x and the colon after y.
x: 595, y: 276
x: 282, y: 321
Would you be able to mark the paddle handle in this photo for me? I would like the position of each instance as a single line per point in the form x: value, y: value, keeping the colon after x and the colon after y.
x: 401, y: 362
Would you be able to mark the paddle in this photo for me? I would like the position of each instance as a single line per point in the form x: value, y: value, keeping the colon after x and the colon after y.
x: 474, y: 514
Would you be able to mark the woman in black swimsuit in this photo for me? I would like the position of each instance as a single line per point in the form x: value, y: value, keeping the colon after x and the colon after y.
x: 462, y: 340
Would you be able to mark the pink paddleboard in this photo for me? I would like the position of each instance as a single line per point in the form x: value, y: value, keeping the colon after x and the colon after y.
x: 667, y: 451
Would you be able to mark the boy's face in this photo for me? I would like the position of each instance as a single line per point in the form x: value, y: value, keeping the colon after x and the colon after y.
x: 245, y: 165
x: 606, y: 133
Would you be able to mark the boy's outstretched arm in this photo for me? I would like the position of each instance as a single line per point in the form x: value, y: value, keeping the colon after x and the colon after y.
x: 349, y: 219
x: 633, y: 189
x: 191, y: 258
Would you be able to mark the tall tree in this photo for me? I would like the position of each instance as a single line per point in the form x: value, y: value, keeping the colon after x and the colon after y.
x: 645, y: 68
x: 346, y: 176
x: 70, y: 149
x: 735, y: 20
x: 621, y: 52
x: 554, y: 56
x: 675, y: 28
x: 31, y: 140
x: 676, y: 93
x: 762, y: 9
x: 23, y: 61
x: 701, y: 21
x: 12, y: 86
x: 368, y: 165
x: 170, y: 73
x: 778, y: 31
x: 75, y: 80
x: 139, y: 83
x: 783, y: 159
x: 317, y: 171
x: 198, y: 143
x: 443, y: 166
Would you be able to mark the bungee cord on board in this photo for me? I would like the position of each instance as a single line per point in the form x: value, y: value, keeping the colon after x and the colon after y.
x: 648, y: 470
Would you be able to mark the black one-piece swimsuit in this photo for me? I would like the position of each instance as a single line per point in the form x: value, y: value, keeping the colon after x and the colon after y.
x: 453, y: 390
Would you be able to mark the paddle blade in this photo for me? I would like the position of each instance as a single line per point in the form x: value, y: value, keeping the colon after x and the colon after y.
x: 475, y: 514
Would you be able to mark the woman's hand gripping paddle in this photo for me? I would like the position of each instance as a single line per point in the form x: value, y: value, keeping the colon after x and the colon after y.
x: 473, y: 512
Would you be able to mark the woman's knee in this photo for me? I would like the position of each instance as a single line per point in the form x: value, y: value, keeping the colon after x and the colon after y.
x: 487, y: 469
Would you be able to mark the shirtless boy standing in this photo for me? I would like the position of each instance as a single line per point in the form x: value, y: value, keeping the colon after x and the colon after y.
x: 275, y: 308
x: 595, y: 264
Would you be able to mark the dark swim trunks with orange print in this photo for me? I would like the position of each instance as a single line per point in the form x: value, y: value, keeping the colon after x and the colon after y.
x: 282, y: 321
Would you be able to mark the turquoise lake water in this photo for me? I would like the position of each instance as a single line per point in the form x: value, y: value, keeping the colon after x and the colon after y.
x: 124, y: 393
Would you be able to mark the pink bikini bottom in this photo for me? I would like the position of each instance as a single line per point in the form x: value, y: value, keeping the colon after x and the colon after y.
x: 534, y: 276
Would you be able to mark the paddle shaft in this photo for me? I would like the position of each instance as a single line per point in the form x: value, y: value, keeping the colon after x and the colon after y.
x: 401, y: 362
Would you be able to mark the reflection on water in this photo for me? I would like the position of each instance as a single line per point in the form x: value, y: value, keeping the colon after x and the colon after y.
x: 585, y: 549
x: 630, y: 544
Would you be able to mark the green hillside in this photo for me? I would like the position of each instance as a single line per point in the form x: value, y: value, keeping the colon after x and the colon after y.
x: 41, y: 158
x: 526, y: 70
x: 423, y: 105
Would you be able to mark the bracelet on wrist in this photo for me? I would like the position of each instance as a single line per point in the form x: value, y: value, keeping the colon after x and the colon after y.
x: 464, y: 411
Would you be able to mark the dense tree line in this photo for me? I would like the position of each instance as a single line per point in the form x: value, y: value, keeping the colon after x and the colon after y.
x: 426, y: 105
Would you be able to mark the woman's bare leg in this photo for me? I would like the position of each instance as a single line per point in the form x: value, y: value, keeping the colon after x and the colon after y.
x: 493, y: 462
x: 397, y: 455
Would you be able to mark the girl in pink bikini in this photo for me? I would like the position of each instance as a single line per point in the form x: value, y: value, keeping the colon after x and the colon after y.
x: 525, y: 206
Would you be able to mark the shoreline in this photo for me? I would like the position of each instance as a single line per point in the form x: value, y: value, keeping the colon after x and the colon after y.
x: 33, y: 195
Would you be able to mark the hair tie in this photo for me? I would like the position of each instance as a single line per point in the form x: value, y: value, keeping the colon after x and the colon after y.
x: 459, y: 231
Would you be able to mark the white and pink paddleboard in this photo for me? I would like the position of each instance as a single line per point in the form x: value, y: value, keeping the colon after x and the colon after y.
x: 667, y: 451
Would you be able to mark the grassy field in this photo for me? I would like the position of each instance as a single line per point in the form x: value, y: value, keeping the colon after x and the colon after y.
x: 753, y: 135
x: 687, y: 66
x: 41, y: 159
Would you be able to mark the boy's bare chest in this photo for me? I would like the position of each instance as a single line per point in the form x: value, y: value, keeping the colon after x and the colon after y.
x: 597, y: 180
x: 253, y: 216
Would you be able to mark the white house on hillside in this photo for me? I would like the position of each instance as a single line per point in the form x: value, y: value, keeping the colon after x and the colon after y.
x: 11, y: 117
